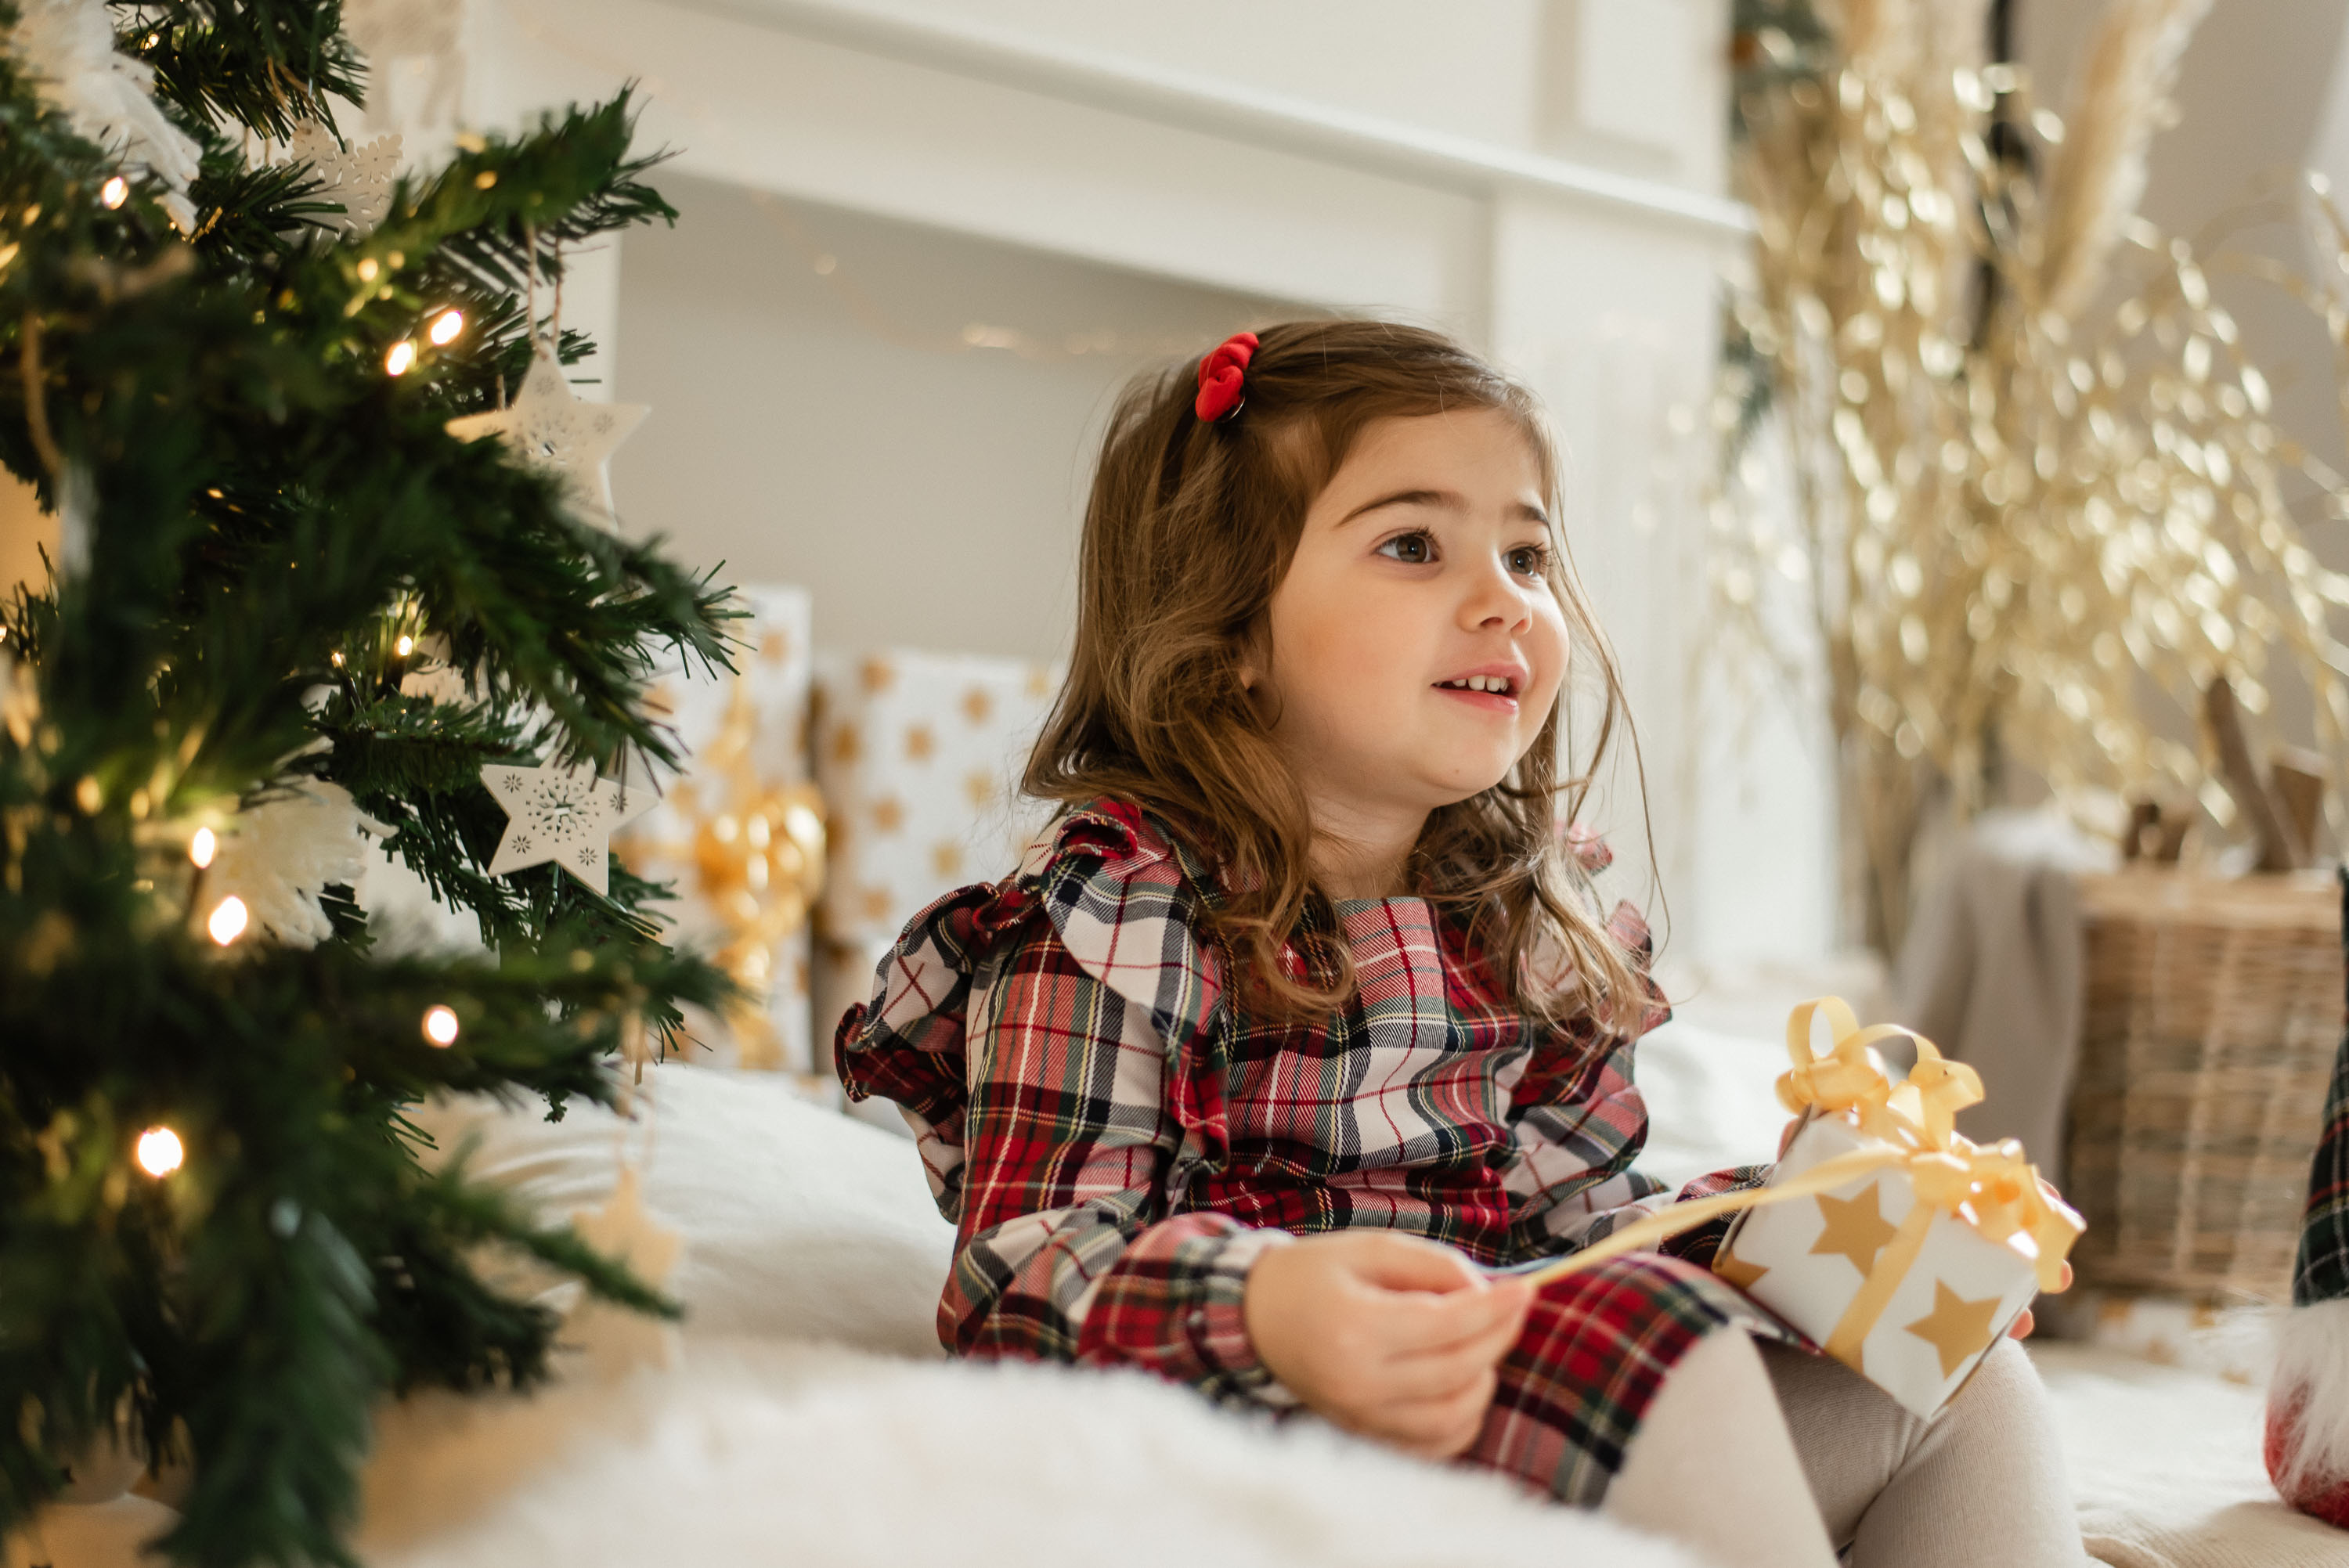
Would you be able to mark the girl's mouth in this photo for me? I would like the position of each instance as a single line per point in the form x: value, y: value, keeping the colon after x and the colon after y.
x: 1494, y: 694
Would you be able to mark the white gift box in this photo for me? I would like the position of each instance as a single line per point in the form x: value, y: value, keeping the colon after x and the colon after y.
x: 713, y: 798
x: 1831, y: 1265
x: 920, y: 756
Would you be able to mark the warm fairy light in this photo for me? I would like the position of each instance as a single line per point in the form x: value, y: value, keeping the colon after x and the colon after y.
x: 160, y: 1153
x: 202, y: 846
x: 440, y: 1025
x: 115, y: 191
x: 447, y: 325
x: 368, y: 269
x: 405, y: 646
x: 336, y: 659
x: 227, y: 922
x: 402, y: 356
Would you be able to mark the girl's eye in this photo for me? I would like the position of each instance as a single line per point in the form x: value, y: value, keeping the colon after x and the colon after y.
x: 1411, y: 548
x: 1529, y: 559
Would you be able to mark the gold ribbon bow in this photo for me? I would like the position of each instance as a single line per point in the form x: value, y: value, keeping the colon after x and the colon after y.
x: 1851, y: 1078
x: 1994, y: 1189
x: 756, y: 849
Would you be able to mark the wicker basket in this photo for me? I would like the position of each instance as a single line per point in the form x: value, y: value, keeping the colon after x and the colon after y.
x: 2213, y: 1010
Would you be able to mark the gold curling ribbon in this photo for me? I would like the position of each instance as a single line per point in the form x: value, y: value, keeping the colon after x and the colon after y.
x: 1994, y: 1189
x: 756, y: 853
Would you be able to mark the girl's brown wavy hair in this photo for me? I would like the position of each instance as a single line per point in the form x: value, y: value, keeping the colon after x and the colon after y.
x: 1190, y: 527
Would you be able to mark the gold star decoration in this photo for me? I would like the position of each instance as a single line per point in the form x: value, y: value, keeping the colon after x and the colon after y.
x: 1856, y: 1229
x: 615, y: 1339
x: 1736, y: 1270
x: 1956, y: 1327
x: 552, y: 429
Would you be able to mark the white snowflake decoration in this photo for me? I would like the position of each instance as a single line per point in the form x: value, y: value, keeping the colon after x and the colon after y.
x: 548, y: 426
x: 436, y: 682
x: 105, y: 94
x: 360, y: 176
x: 281, y: 854
x: 566, y: 815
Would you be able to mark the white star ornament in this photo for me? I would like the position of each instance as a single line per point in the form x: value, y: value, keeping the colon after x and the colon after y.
x: 566, y: 815
x: 548, y: 426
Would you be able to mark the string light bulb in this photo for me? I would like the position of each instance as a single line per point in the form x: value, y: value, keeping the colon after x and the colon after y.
x: 228, y: 920
x: 202, y: 847
x: 405, y: 646
x: 403, y: 356
x: 440, y: 1025
x: 446, y: 326
x: 159, y: 1152
x: 115, y: 191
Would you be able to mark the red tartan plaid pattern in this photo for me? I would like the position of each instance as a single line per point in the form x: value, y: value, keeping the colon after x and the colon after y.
x: 1117, y: 1143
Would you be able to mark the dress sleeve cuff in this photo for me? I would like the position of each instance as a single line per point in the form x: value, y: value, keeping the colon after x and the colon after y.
x: 1216, y: 1324
x: 1174, y: 1304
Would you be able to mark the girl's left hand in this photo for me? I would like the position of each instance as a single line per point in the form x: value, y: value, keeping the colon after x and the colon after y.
x: 2022, y: 1325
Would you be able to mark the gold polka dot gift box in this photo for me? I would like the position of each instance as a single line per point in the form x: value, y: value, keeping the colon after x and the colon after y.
x: 740, y: 831
x: 918, y: 756
x: 1899, y: 1246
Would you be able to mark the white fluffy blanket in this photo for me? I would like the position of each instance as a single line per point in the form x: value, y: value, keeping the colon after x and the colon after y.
x: 812, y: 1422
x: 820, y: 1457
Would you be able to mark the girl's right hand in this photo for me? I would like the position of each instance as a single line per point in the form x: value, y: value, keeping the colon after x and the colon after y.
x: 1387, y: 1335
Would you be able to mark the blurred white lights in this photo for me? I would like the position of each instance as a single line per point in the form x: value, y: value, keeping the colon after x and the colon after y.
x: 159, y: 1152
x: 202, y: 847
x: 447, y: 325
x: 402, y: 356
x: 440, y: 1025
x: 115, y: 191
x: 228, y: 920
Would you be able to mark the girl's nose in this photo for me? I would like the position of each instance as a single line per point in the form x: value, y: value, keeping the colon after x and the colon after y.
x: 1496, y: 598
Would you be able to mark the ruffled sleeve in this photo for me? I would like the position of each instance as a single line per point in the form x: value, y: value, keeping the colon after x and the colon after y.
x: 1091, y: 1044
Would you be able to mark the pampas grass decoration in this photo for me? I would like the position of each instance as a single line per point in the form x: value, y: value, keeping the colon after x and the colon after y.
x: 2121, y: 97
x: 2019, y: 534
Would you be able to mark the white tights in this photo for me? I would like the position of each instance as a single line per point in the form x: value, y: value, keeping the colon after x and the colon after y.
x: 1772, y: 1458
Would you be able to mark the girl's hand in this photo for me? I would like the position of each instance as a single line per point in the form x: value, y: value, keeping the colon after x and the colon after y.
x: 1387, y: 1335
x: 2023, y: 1323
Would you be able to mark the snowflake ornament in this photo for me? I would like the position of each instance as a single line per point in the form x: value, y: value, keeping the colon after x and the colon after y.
x: 551, y: 429
x: 280, y: 855
x: 359, y: 177
x: 566, y: 815
x: 106, y: 95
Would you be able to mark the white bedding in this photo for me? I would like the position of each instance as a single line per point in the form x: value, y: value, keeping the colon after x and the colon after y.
x: 813, y: 1420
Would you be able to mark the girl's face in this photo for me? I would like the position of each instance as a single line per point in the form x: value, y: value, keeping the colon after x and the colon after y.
x: 1419, y: 577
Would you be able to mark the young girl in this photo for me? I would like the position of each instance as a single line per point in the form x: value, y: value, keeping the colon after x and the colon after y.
x: 1300, y: 1022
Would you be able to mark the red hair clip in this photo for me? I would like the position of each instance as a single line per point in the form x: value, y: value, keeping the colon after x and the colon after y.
x: 1222, y: 377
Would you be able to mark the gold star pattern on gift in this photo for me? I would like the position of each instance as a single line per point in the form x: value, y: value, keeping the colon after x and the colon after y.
x: 1956, y: 1327
x: 552, y: 429
x: 566, y: 815
x: 1856, y: 1229
x: 1736, y: 1270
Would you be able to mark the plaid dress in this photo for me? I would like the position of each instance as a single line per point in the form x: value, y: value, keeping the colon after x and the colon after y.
x: 1117, y: 1140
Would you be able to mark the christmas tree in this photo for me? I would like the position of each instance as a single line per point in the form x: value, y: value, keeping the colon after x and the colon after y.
x: 294, y: 610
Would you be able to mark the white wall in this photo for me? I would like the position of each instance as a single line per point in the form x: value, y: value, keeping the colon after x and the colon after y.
x: 838, y: 430
x: 1542, y: 177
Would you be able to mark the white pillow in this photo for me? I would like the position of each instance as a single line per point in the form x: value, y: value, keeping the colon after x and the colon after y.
x: 797, y: 1222
x: 1712, y: 1101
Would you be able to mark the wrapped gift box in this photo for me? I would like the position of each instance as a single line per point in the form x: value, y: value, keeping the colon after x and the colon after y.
x: 1911, y: 1269
x: 739, y: 830
x: 920, y: 756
